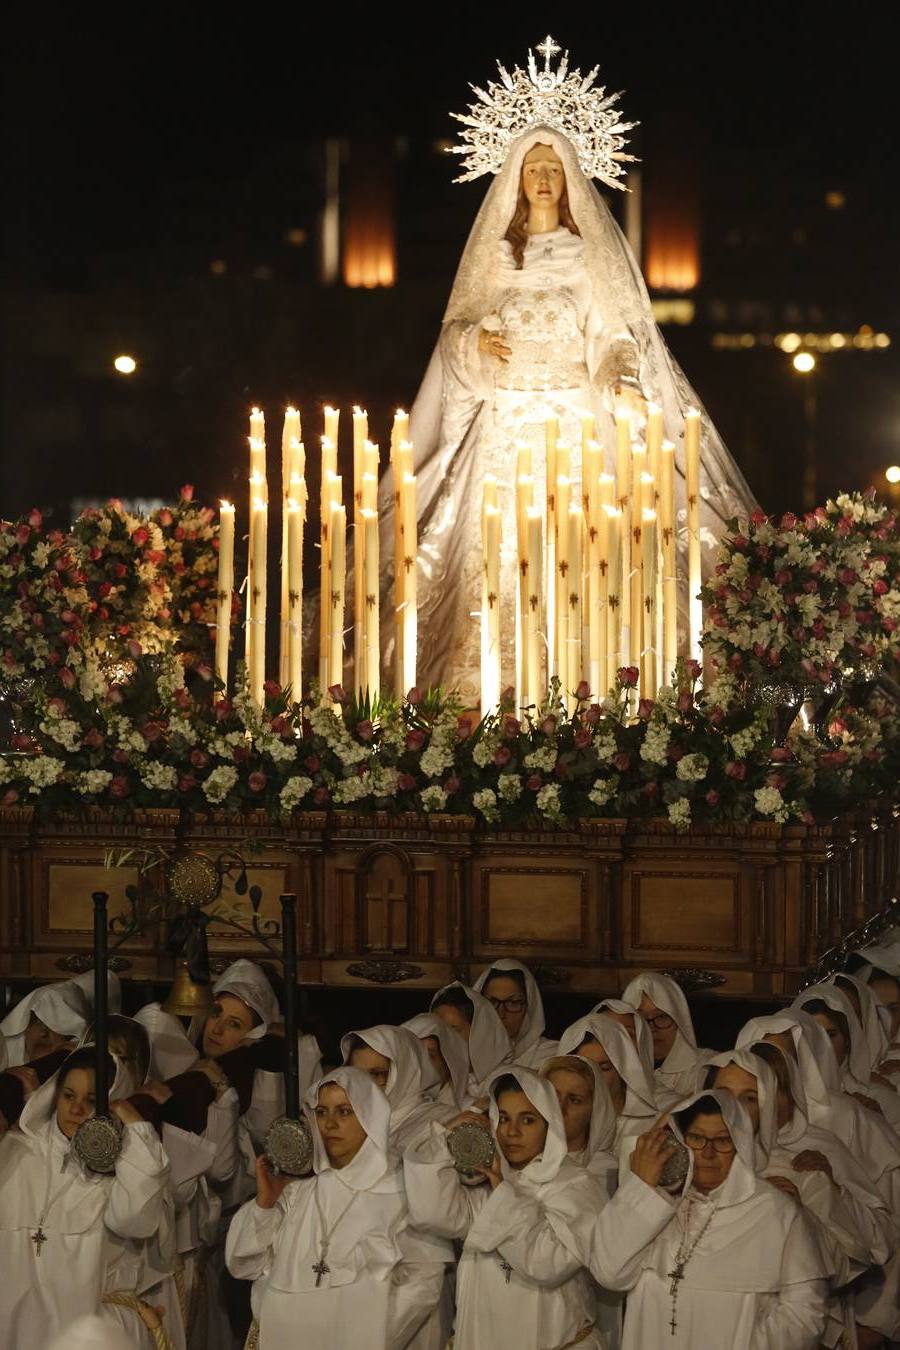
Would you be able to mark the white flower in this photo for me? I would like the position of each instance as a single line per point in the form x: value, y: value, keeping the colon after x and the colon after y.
x: 485, y: 801
x: 183, y: 727
x: 483, y: 752
x: 63, y: 730
x: 385, y: 781
x: 604, y: 790
x: 742, y: 742
x: 433, y: 798
x: 93, y: 781
x: 680, y: 813
x: 769, y: 802
x: 604, y: 747
x: 159, y: 777
x: 542, y: 758
x: 691, y: 768
x: 293, y: 792
x: 42, y: 772
x: 655, y: 746
x: 219, y: 783
x: 547, y: 801
x: 353, y: 789
x: 509, y: 786
x: 435, y: 760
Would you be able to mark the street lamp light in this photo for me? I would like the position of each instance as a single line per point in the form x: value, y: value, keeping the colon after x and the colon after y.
x: 893, y: 473
x: 125, y: 365
x: 804, y: 362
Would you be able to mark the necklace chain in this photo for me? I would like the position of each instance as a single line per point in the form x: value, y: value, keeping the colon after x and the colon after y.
x: 682, y: 1256
x: 321, y: 1267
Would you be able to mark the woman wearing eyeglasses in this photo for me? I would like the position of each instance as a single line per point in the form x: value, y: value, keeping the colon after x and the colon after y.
x: 729, y: 1264
x: 513, y: 991
x: 677, y: 1059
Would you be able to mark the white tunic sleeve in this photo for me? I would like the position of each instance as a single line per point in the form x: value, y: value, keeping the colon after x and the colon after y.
x: 796, y: 1318
x: 221, y: 1130
x: 252, y: 1234
x: 138, y: 1195
x: 527, y: 1235
x: 416, y: 1285
x: 438, y: 1201
x: 622, y: 1231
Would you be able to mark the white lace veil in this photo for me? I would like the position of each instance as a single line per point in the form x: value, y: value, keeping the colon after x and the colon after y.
x: 620, y: 296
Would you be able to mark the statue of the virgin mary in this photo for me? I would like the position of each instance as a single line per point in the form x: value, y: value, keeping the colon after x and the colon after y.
x: 548, y: 316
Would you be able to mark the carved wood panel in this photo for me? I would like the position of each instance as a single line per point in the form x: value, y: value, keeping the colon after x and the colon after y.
x: 674, y: 910
x: 532, y: 906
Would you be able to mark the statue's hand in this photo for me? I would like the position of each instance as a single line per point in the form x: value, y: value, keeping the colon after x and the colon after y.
x: 492, y: 343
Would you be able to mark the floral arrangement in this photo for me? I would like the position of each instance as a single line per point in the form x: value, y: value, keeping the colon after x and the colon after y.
x: 804, y: 601
x: 689, y: 756
x: 109, y: 627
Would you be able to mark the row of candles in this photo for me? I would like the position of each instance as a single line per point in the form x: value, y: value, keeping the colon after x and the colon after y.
x: 597, y: 576
x: 333, y: 559
x: 596, y: 563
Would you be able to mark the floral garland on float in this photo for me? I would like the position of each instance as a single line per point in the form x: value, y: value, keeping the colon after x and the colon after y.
x: 123, y: 710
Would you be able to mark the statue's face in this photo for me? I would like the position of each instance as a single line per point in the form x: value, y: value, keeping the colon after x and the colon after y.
x: 543, y: 176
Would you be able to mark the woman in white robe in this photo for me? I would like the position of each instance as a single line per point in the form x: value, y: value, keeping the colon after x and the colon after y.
x: 730, y: 1264
x: 59, y: 1223
x: 520, y: 1281
x: 871, y: 1014
x: 398, y: 1063
x: 631, y: 1020
x: 448, y: 1054
x: 831, y: 1007
x: 51, y: 1017
x: 512, y: 989
x: 805, y: 1175
x: 475, y: 1019
x: 628, y: 1077
x: 676, y: 1056
x: 332, y: 1257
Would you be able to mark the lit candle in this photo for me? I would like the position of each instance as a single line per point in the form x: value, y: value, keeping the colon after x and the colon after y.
x: 592, y: 467
x: 224, y: 592
x: 623, y: 497
x: 369, y: 492
x: 290, y: 443
x: 338, y: 580
x: 598, y: 596
x: 257, y: 477
x: 332, y: 421
x: 523, y: 460
x: 490, y: 605
x: 560, y: 639
x: 576, y: 568
x: 614, y: 588
x: 329, y: 483
x: 360, y: 436
x: 535, y: 690
x: 295, y: 515
x: 524, y: 502
x: 654, y: 440
x: 259, y: 529
x: 551, y: 435
x: 371, y: 682
x: 636, y: 626
x: 410, y: 616
x: 588, y: 433
x: 648, y: 643
x: 400, y: 428
x: 259, y: 491
x: 669, y: 560
x: 692, y: 486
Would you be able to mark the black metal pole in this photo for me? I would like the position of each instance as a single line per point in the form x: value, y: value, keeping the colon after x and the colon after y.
x: 289, y: 963
x: 101, y: 1003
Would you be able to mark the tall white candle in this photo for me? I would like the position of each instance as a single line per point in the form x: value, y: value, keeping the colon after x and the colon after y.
x: 624, y: 499
x: 338, y: 580
x: 332, y: 418
x: 648, y: 640
x: 560, y: 639
x: 669, y: 559
x: 224, y: 591
x: 551, y: 436
x: 259, y: 528
x: 360, y: 436
x: 614, y: 587
x: 534, y: 686
x: 490, y: 606
x: 371, y: 678
x: 574, y: 599
x: 295, y: 514
x: 410, y: 617
x: 692, y: 486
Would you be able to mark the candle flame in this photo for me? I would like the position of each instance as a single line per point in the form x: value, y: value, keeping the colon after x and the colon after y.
x: 225, y: 506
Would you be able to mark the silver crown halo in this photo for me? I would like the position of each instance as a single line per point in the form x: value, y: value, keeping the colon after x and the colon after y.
x: 565, y: 100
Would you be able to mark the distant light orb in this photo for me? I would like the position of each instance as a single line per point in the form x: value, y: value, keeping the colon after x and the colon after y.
x: 835, y: 200
x: 125, y: 365
x: 790, y: 342
x: 893, y: 473
x: 804, y: 362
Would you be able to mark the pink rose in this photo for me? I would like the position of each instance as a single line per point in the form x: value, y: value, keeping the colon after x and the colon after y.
x: 788, y: 521
x: 271, y: 688
x: 406, y: 782
x: 115, y: 694
x: 685, y: 701
x: 313, y: 763
x: 10, y: 797
x: 693, y: 669
x: 414, y: 697
x: 223, y: 709
x: 365, y: 730
x: 582, y: 738
x: 511, y: 725
x: 186, y: 782
x: 94, y: 739
x: 737, y: 769
x: 781, y: 755
x: 453, y: 784
x: 621, y: 761
x: 257, y: 781
x: 712, y: 797
x: 336, y: 693
x: 645, y: 709
x: 140, y: 536
x: 675, y: 753
x: 57, y: 704
x: 759, y: 518
x: 834, y: 759
x: 415, y: 739
x: 165, y: 516
x: 592, y: 714
x: 199, y: 758
x: 135, y: 649
x: 152, y: 732
x: 240, y: 754
x: 23, y: 534
x: 651, y: 789
x: 534, y: 782
x: 548, y: 725
x: 502, y: 756
x: 321, y: 797
x: 187, y: 493
x: 463, y: 728
x: 35, y: 519
x: 629, y: 676
x: 119, y: 786
x: 583, y: 691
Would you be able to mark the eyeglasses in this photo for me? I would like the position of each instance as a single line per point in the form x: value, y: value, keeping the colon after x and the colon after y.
x: 722, y: 1143
x: 660, y: 1021
x: 513, y: 1005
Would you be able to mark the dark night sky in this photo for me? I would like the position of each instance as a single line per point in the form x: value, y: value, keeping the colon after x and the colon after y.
x: 114, y: 117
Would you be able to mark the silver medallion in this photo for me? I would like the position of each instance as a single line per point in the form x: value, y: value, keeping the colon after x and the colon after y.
x: 289, y: 1146
x: 470, y: 1146
x: 97, y: 1143
x: 676, y: 1168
